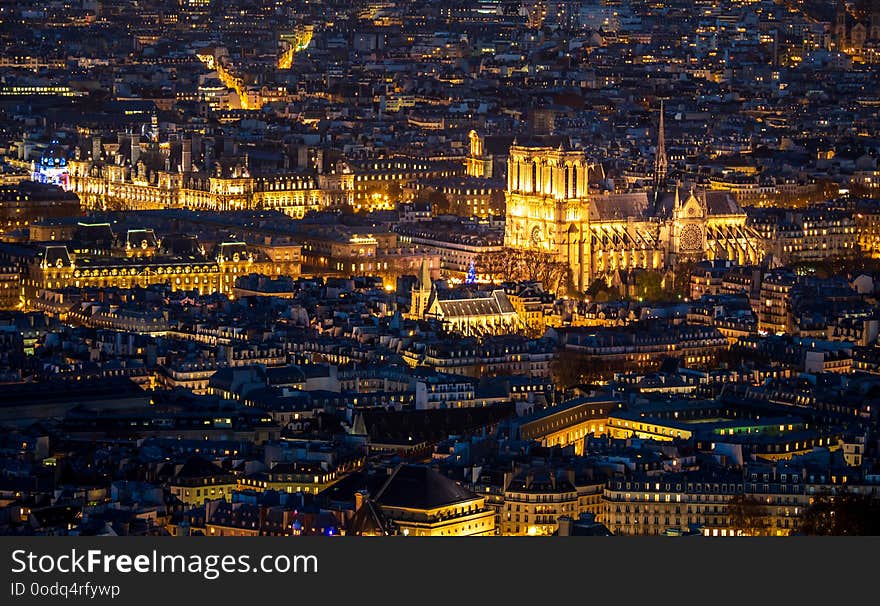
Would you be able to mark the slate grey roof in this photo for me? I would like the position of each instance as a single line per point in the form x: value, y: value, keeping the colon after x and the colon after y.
x: 419, y: 487
x: 722, y: 203
x: 95, y: 233
x: 611, y: 207
x: 718, y: 202
x: 135, y: 238
x: 197, y: 467
x: 496, y: 304
x: 54, y: 254
x: 368, y: 520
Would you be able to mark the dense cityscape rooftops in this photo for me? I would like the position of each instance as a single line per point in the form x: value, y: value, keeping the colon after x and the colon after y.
x: 551, y: 267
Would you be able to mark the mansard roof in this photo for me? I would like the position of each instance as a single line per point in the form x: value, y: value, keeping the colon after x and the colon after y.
x: 135, y: 238
x: 418, y: 487
x: 56, y: 255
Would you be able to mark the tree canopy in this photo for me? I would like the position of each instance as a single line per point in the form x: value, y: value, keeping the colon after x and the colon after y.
x: 842, y: 514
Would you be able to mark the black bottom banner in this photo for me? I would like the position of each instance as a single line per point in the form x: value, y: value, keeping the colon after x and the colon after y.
x: 433, y: 570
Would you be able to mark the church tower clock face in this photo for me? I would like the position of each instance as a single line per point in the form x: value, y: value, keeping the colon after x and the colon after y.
x: 691, y: 238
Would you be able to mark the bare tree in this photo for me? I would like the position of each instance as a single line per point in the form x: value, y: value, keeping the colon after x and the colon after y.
x: 511, y: 262
x: 748, y: 516
x: 842, y: 514
x: 567, y: 368
x: 492, y: 264
x: 557, y: 276
x: 514, y: 265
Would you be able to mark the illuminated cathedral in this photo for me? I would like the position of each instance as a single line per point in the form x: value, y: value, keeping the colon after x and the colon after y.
x: 551, y: 208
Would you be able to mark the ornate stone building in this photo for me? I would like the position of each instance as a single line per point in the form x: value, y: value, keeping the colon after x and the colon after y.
x: 486, y: 314
x: 136, y: 174
x: 133, y: 175
x: 487, y: 156
x: 550, y: 208
x: 55, y: 267
x: 547, y: 206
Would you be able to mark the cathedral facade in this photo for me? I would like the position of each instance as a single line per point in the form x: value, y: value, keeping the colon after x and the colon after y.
x: 551, y: 209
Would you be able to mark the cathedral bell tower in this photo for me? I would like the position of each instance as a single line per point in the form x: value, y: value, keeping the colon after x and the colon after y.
x: 475, y: 165
x: 547, y: 206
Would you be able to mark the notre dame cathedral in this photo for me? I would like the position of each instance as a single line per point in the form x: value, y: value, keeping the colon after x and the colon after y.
x: 550, y: 208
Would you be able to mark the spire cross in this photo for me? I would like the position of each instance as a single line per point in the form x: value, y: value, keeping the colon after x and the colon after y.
x: 660, y: 163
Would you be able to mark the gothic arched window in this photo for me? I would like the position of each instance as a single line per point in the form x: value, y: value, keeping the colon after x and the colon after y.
x: 534, y: 176
x: 567, y: 173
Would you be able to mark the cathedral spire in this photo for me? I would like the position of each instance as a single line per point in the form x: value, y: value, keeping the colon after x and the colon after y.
x: 660, y: 163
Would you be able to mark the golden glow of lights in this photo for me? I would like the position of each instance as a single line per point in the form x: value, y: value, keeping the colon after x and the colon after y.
x: 296, y: 43
x: 229, y: 80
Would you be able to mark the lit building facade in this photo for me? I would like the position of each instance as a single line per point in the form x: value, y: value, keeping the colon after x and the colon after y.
x: 650, y: 505
x: 489, y: 314
x: 55, y: 268
x: 120, y: 186
x: 812, y: 234
x: 550, y: 209
x: 10, y: 287
x: 567, y: 424
x: 26, y: 202
x: 380, y: 184
x: 52, y: 168
x: 535, y: 500
x: 421, y: 502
